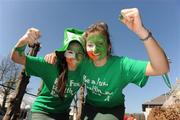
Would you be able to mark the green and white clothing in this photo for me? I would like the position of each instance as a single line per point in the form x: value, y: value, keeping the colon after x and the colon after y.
x: 105, y: 83
x: 48, y: 101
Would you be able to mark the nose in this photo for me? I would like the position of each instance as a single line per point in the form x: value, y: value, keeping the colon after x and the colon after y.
x: 96, y: 50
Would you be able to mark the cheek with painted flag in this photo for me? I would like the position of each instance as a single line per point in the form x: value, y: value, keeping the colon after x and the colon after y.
x: 91, y: 47
x: 70, y: 58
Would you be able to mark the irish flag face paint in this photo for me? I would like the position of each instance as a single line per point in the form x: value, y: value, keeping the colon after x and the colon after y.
x: 91, y: 47
x: 96, y: 46
x: 74, y: 54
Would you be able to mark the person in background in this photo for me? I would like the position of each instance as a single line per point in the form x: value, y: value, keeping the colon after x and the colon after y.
x: 125, y: 117
x: 131, y: 117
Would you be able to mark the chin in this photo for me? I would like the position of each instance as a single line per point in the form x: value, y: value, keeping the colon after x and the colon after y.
x: 94, y: 59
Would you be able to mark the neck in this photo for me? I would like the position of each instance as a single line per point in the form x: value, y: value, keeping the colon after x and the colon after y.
x: 71, y: 68
x: 100, y: 62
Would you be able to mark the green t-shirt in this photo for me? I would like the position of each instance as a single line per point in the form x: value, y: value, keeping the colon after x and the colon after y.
x: 105, y: 83
x: 48, y: 101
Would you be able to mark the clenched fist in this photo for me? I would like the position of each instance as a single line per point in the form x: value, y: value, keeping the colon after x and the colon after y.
x: 31, y: 36
x: 131, y: 18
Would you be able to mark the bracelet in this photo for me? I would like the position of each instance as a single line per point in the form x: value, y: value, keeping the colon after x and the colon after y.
x: 20, y: 50
x: 148, y: 36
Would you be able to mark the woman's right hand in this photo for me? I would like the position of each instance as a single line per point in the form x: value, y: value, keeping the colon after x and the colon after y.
x: 51, y: 58
x: 31, y: 36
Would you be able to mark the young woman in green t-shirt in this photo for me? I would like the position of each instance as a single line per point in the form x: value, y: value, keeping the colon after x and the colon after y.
x: 60, y: 81
x: 108, y: 75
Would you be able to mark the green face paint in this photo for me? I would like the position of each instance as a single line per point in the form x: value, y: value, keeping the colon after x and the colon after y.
x: 75, y: 52
x: 97, y: 46
x: 20, y: 50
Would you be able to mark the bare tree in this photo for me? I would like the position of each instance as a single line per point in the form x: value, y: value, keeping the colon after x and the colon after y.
x: 8, y: 78
x: 13, y: 110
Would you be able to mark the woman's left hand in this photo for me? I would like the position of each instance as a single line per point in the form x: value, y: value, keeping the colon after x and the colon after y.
x: 131, y: 18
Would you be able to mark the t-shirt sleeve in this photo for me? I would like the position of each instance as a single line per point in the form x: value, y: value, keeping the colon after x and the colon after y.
x: 37, y: 66
x: 134, y: 71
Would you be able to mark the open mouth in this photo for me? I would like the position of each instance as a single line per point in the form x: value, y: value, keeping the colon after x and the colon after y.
x: 93, y: 55
x: 96, y: 54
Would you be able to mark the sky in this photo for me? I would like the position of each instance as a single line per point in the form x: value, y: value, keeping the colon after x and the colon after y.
x: 51, y: 17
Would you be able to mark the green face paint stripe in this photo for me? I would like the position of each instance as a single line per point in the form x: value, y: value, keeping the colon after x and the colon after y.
x: 96, y: 38
x: 78, y: 49
x: 20, y: 50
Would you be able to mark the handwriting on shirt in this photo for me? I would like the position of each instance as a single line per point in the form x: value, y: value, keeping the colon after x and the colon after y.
x: 94, y: 87
x: 71, y: 88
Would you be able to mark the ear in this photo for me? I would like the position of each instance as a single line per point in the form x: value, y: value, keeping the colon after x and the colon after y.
x: 109, y: 49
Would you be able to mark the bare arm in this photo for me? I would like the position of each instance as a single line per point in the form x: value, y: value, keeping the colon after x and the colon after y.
x: 51, y: 58
x: 158, y: 64
x: 30, y: 37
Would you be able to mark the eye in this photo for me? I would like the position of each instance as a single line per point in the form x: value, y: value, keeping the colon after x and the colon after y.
x: 80, y: 56
x: 90, y: 45
x: 101, y: 43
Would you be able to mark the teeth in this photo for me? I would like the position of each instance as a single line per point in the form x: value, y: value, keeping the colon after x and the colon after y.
x: 69, y: 54
x: 96, y: 54
x: 91, y: 48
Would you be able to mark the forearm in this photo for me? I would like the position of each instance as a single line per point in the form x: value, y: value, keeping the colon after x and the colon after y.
x: 17, y: 54
x: 30, y: 37
x: 158, y: 60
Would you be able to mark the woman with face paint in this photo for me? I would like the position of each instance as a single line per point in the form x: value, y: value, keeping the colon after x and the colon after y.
x: 61, y: 81
x: 108, y: 75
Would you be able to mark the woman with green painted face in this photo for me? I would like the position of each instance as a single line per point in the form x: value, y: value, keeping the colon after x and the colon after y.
x: 60, y: 81
x: 108, y: 75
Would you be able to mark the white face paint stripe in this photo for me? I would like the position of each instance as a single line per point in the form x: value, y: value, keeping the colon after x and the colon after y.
x: 91, y: 47
x: 70, y: 54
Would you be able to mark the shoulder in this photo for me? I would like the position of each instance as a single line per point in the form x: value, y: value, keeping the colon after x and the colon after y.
x: 31, y: 60
x: 118, y: 58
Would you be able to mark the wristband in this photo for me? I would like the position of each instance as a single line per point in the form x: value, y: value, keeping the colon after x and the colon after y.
x: 20, y: 50
x: 148, y: 36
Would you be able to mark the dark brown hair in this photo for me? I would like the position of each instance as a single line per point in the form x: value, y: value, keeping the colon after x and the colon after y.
x: 63, y: 73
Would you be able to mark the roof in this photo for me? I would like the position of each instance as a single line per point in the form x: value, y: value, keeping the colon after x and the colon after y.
x: 158, y: 101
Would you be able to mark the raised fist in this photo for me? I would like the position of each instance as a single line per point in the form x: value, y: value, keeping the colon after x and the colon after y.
x: 131, y: 18
x: 31, y: 36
